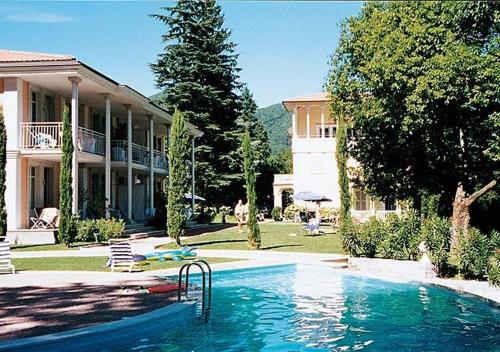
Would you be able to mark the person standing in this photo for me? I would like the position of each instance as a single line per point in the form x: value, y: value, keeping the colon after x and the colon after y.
x: 238, y: 212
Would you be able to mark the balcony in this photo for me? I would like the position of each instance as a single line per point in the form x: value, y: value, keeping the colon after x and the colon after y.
x: 140, y: 154
x: 46, y: 136
x: 313, y: 144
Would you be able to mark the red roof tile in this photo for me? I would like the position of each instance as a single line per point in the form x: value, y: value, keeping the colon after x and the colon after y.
x: 24, y: 56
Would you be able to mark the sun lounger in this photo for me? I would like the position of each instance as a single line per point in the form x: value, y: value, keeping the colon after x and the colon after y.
x: 121, y: 255
x: 5, y: 262
x: 46, y: 220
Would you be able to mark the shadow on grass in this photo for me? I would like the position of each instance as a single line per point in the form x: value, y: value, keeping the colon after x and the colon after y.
x: 37, y: 310
x: 207, y: 243
x: 207, y: 229
x: 279, y: 246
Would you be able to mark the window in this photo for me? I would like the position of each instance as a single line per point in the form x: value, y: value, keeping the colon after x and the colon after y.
x: 49, y: 108
x: 32, y: 188
x: 35, y: 98
x: 390, y: 204
x: 362, y: 200
x: 328, y: 131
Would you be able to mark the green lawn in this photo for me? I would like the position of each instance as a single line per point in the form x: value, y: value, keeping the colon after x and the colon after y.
x: 49, y: 247
x: 93, y: 263
x: 275, y: 237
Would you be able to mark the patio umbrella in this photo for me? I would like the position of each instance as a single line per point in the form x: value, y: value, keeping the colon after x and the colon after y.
x: 189, y: 196
x: 311, y: 197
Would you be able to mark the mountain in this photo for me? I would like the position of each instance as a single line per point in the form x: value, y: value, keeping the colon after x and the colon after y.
x: 276, y: 121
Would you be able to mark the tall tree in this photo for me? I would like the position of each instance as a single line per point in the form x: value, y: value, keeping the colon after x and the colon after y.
x: 67, y: 225
x: 177, y: 178
x: 3, y: 161
x: 197, y: 73
x: 420, y: 82
x: 254, y: 239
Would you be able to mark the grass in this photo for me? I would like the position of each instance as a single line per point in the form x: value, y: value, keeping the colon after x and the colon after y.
x: 275, y: 237
x: 50, y: 247
x: 93, y: 264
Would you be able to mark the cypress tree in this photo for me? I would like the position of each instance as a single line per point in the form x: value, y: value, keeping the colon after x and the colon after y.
x: 342, y: 155
x: 3, y: 160
x: 177, y: 179
x: 67, y: 225
x: 254, y: 239
x: 197, y: 73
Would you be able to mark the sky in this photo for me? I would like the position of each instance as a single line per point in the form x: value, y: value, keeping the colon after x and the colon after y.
x: 284, y: 46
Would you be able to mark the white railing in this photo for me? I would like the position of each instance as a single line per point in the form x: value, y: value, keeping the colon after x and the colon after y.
x: 41, y: 135
x: 48, y: 135
x: 379, y: 214
x: 119, y: 150
x: 91, y: 141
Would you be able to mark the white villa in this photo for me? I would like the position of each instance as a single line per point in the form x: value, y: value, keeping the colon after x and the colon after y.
x: 120, y: 139
x: 314, y: 163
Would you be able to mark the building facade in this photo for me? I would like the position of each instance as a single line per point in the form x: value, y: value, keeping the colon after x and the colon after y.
x: 314, y: 163
x: 120, y: 139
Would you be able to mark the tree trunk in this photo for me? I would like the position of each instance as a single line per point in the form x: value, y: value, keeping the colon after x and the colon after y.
x: 461, y: 210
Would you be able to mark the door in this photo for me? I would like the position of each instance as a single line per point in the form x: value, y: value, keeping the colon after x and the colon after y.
x: 48, y: 189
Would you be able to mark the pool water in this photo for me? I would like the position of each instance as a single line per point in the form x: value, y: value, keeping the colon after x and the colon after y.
x: 315, y: 308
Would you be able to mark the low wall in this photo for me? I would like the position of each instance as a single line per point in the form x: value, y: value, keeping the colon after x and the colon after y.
x: 28, y: 236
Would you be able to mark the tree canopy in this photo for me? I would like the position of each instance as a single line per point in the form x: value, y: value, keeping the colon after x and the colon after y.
x: 418, y: 82
x: 198, y: 74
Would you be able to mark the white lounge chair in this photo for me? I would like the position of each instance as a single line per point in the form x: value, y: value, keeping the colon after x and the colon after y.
x: 121, y: 255
x: 5, y: 262
x: 46, y: 220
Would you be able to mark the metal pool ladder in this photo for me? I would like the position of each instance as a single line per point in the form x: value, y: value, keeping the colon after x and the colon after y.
x: 206, y: 295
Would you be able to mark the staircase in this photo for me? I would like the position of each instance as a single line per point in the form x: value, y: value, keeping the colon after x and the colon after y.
x: 139, y: 230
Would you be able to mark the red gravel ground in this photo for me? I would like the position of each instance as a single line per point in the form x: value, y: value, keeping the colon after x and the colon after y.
x: 36, y: 310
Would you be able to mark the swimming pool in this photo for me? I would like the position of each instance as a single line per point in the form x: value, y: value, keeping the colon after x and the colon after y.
x: 316, y: 308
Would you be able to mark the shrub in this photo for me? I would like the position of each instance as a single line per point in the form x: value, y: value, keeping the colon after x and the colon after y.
x: 349, y: 234
x: 206, y: 215
x: 402, y: 236
x: 473, y: 253
x: 110, y: 228
x: 329, y: 214
x: 436, y: 232
x: 292, y: 211
x: 276, y: 214
x: 371, y: 235
x: 493, y: 271
x: 224, y: 211
x: 87, y: 231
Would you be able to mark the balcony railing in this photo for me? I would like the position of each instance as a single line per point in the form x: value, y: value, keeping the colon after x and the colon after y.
x: 140, y: 154
x: 41, y: 135
x: 91, y: 141
x: 48, y: 135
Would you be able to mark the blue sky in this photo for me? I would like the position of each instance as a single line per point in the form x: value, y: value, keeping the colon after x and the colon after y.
x: 284, y: 47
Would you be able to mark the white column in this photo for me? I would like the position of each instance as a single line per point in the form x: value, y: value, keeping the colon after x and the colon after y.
x: 107, y: 165
x: 308, y: 123
x: 294, y: 122
x: 151, y: 162
x: 74, y: 129
x: 193, y: 168
x: 129, y: 163
x: 13, y: 97
x: 323, y: 122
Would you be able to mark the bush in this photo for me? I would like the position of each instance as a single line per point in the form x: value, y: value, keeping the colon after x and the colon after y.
x: 224, y: 211
x: 99, y: 230
x: 276, y: 214
x: 349, y: 234
x: 493, y: 271
x: 362, y: 239
x: 292, y: 211
x: 436, y: 233
x: 402, y: 237
x: 371, y: 235
x: 329, y: 214
x: 206, y: 215
x: 473, y: 253
x: 87, y: 231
